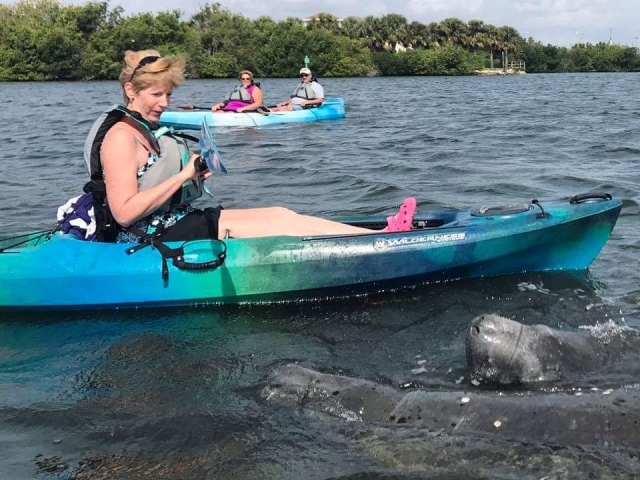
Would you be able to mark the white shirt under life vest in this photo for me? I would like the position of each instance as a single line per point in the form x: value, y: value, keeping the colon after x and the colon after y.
x: 307, y: 91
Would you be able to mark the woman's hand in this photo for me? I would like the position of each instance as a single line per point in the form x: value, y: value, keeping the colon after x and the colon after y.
x: 193, y: 171
x: 122, y: 154
x: 216, y: 107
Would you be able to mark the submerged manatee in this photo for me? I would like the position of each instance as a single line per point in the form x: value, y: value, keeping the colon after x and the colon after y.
x: 504, y: 351
x: 609, y: 418
x: 345, y: 397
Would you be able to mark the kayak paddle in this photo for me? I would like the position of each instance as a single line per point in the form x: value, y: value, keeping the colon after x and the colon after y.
x: 209, y: 151
x: 192, y: 107
x: 269, y: 113
x: 197, y: 107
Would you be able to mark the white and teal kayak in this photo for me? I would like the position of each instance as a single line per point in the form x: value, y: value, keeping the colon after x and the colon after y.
x: 331, y: 109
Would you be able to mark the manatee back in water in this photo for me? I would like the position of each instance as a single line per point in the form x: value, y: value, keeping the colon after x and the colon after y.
x: 349, y: 398
x: 605, y: 418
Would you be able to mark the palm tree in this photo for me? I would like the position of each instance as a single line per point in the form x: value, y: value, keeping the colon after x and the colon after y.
x: 454, y: 30
x: 436, y: 36
x: 393, y: 29
x: 324, y: 21
x: 420, y: 35
x: 477, y: 38
x: 494, y: 42
x: 373, y: 39
x: 510, y: 40
x: 354, y: 28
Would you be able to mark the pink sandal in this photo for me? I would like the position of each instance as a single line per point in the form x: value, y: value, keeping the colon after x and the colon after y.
x: 403, y: 220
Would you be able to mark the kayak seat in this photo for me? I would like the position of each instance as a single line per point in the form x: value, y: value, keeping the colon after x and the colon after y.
x: 417, y: 224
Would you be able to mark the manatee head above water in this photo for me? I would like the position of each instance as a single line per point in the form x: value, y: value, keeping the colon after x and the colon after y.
x: 501, y: 350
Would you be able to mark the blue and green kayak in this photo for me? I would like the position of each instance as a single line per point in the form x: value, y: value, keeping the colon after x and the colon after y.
x: 331, y: 109
x: 56, y: 270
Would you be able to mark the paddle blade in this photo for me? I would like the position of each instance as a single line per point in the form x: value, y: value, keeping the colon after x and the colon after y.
x: 209, y: 150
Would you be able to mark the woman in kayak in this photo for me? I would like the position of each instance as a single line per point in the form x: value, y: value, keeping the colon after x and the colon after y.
x: 246, y: 97
x: 144, y: 192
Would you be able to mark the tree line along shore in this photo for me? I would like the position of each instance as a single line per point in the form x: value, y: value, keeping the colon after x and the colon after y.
x: 43, y: 40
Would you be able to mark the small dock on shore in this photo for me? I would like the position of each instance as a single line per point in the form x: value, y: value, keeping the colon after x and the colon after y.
x: 511, y: 68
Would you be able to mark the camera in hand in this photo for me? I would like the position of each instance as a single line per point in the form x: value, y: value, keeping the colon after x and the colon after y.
x: 200, y: 164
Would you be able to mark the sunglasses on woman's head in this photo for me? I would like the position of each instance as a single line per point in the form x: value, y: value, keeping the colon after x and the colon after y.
x: 143, y: 63
x: 245, y: 78
x: 302, y: 75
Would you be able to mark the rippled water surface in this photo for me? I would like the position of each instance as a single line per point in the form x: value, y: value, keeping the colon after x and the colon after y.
x: 175, y: 393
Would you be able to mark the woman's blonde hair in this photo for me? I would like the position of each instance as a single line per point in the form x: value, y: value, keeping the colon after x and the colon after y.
x: 145, y: 68
x: 246, y: 72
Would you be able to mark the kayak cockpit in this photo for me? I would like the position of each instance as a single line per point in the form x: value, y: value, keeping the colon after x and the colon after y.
x: 420, y: 221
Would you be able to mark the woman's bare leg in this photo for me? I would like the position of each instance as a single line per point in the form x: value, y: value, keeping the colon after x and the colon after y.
x: 272, y: 221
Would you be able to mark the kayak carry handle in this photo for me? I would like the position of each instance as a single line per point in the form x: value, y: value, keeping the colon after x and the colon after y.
x: 180, y: 262
x: 211, y: 265
x: 542, y: 213
x: 588, y: 196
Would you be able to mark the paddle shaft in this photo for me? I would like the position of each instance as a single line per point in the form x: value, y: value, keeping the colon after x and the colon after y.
x: 192, y: 107
x: 197, y: 107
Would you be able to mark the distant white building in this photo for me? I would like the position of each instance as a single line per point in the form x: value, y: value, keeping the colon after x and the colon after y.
x: 316, y: 18
x: 398, y: 47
